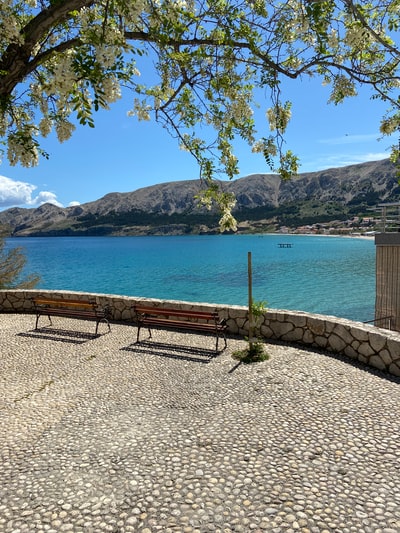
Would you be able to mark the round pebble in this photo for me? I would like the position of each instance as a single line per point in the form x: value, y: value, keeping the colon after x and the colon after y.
x: 103, y: 434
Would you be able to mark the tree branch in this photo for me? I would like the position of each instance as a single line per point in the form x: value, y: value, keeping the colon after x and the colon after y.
x: 358, y: 15
x: 15, y: 62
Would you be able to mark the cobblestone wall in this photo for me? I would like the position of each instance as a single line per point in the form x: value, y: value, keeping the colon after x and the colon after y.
x: 379, y: 348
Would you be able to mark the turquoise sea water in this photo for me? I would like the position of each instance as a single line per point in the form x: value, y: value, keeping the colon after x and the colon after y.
x: 328, y: 275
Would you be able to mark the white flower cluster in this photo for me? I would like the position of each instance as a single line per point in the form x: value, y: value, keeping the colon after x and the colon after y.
x: 333, y: 38
x: 132, y: 12
x: 172, y: 9
x: 9, y: 24
x: 279, y: 117
x: 160, y: 94
x: 227, y: 221
x: 357, y: 37
x: 179, y: 4
x: 140, y: 109
x: 258, y: 147
x: 293, y: 62
x: 343, y: 87
x: 106, y: 55
x: 228, y: 159
x: 3, y: 124
x: 264, y: 146
x: 111, y: 89
x: 22, y: 150
x: 225, y: 202
x: 45, y: 126
x: 64, y: 130
x: 390, y: 125
x: 191, y: 143
x: 61, y: 76
x: 240, y: 110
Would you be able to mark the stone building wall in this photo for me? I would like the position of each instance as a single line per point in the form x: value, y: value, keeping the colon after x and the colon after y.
x: 376, y: 347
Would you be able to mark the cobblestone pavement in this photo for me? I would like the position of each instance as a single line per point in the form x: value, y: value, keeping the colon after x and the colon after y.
x: 100, y: 434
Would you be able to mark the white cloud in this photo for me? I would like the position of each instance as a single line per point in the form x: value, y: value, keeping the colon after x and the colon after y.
x: 45, y: 197
x: 74, y: 203
x: 14, y: 192
x: 349, y: 138
x: 19, y: 193
x: 341, y: 160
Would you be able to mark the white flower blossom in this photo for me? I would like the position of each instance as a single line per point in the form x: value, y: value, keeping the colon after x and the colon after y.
x: 111, y: 88
x: 64, y: 130
x: 357, y: 37
x: 278, y: 117
x: 24, y: 152
x: 3, y: 124
x: 141, y: 110
x: 10, y: 29
x: 343, y: 87
x: 45, y: 126
x: 227, y: 222
x: 106, y: 55
x: 240, y: 110
x: 258, y: 147
x: 390, y: 125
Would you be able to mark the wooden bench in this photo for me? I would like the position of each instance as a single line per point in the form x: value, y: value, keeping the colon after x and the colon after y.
x: 209, y: 322
x: 84, y: 310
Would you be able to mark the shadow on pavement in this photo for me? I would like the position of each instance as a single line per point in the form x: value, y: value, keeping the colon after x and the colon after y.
x: 60, y: 335
x: 172, y: 351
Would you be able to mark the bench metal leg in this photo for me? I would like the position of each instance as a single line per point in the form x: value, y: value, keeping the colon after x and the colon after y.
x: 102, y: 320
x: 38, y: 315
x: 217, y: 341
x: 139, y: 327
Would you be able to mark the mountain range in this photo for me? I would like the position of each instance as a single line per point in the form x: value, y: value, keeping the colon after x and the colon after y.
x: 264, y: 202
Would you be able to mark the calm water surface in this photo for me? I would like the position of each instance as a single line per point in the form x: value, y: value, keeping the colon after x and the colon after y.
x: 329, y: 275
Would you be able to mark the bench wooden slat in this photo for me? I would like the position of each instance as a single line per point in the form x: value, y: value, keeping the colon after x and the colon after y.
x: 84, y: 310
x: 177, y: 312
x: 64, y: 303
x: 183, y: 324
x: 70, y: 312
x: 205, y: 321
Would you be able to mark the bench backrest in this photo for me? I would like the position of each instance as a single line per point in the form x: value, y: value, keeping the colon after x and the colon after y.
x: 178, y: 313
x: 50, y: 302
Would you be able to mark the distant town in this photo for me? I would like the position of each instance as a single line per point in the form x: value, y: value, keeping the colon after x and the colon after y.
x: 353, y: 226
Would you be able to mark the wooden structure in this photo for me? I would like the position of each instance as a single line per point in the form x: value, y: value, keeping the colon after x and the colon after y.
x: 387, y: 302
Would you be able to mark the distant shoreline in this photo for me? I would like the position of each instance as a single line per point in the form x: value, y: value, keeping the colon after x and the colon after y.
x: 330, y: 235
x: 216, y: 234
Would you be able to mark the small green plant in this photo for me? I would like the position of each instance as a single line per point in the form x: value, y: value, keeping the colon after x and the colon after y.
x: 255, y: 351
x: 258, y: 309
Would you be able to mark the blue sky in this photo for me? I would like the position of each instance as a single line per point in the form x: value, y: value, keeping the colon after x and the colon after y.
x: 121, y: 154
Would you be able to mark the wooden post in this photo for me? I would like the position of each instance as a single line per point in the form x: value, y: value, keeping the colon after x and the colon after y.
x: 250, y: 284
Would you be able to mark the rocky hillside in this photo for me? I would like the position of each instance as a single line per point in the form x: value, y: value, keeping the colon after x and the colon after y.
x: 263, y: 202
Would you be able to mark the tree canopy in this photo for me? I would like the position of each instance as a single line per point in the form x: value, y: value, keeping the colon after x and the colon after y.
x: 12, y: 263
x: 62, y: 60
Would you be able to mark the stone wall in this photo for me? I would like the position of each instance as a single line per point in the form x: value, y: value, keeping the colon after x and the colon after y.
x: 376, y: 347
